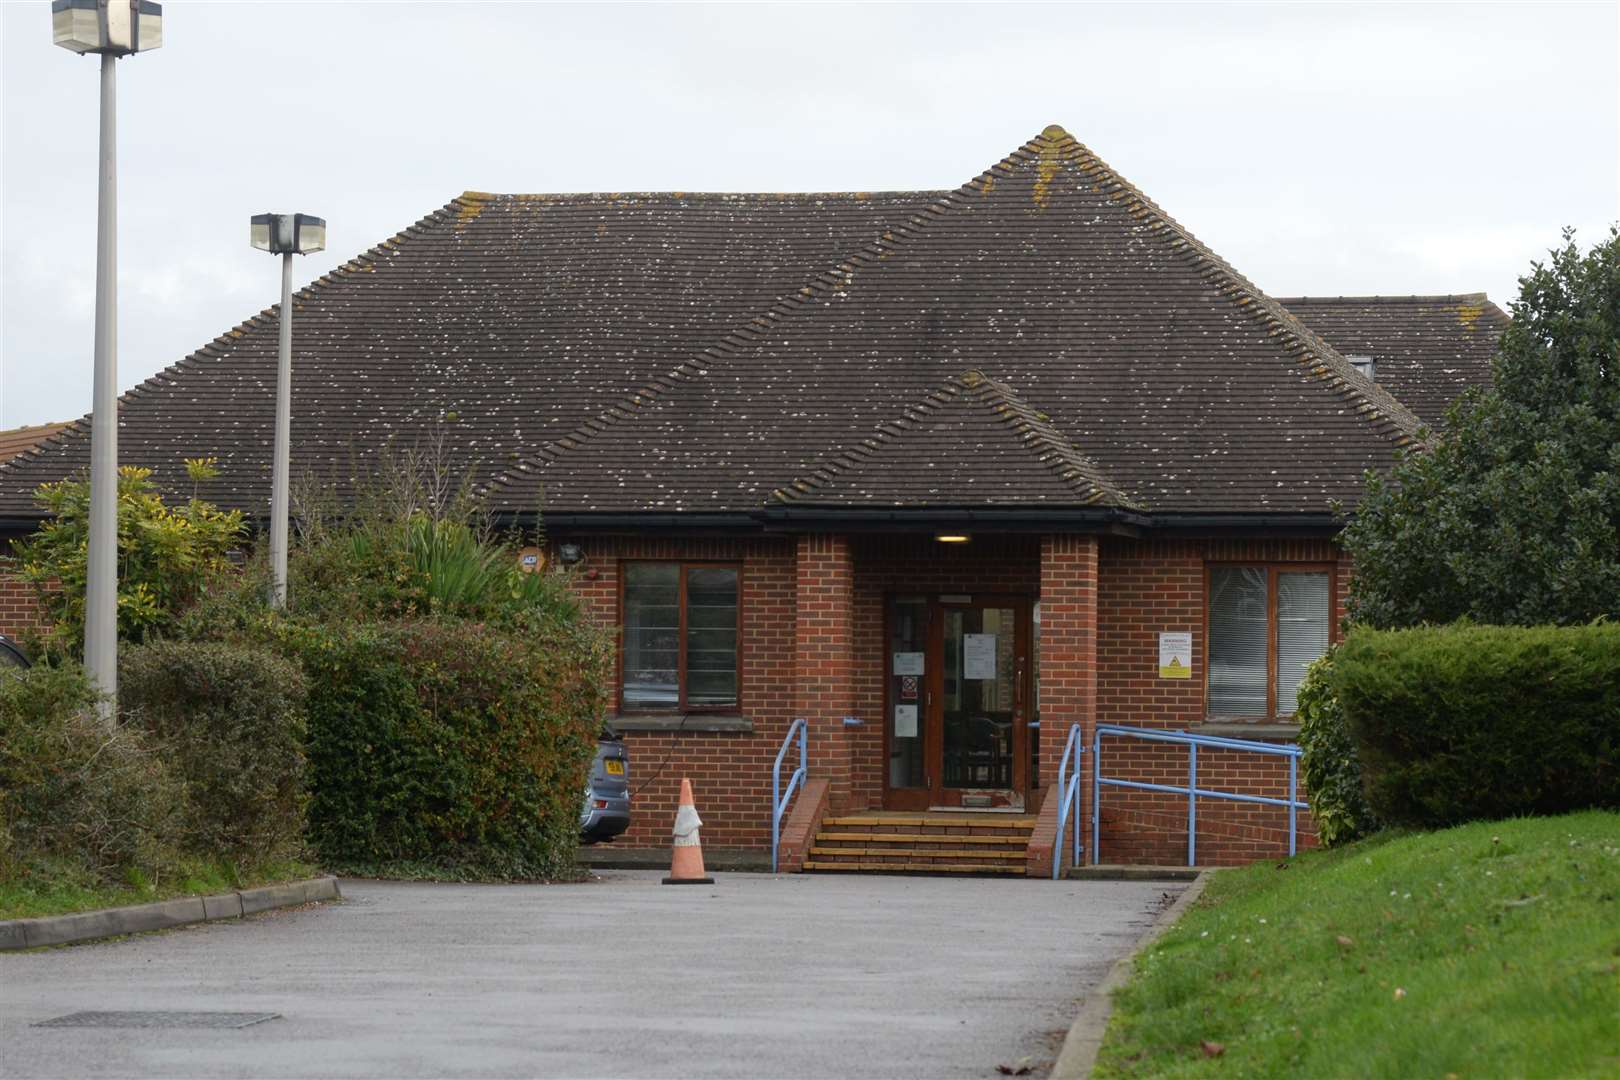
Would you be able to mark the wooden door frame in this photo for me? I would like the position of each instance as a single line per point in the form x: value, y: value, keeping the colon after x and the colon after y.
x: 932, y: 716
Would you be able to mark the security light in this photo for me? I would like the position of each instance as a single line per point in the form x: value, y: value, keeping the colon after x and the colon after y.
x: 118, y: 27
x: 288, y: 234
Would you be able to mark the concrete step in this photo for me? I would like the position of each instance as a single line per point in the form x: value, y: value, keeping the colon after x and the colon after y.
x: 1116, y: 872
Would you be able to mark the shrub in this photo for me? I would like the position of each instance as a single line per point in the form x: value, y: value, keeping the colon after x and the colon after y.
x: 1331, y: 767
x: 449, y: 743
x: 230, y: 720
x: 1463, y: 722
x: 73, y: 790
x: 168, y: 556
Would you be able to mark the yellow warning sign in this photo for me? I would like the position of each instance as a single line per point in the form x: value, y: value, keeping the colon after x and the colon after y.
x: 1175, y: 655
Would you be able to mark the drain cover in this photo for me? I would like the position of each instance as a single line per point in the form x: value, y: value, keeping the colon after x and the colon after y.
x: 159, y: 1019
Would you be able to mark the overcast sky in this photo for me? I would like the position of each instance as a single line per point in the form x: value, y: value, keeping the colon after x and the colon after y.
x: 1321, y: 148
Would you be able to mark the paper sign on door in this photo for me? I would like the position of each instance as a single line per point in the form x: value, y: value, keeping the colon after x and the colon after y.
x: 905, y: 721
x: 978, y: 656
x: 908, y: 663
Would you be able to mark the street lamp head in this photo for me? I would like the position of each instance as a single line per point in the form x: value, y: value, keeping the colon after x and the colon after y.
x: 283, y: 234
x: 119, y: 27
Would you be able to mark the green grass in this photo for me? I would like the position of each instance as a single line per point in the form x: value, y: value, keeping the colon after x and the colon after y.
x: 1489, y: 950
x: 59, y: 887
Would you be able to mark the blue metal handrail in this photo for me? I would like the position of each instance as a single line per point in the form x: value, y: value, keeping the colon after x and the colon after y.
x: 1068, y: 799
x: 779, y: 799
x: 1192, y: 790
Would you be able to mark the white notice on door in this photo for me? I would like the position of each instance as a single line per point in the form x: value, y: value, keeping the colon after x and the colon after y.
x: 905, y: 721
x: 978, y: 656
x: 908, y: 663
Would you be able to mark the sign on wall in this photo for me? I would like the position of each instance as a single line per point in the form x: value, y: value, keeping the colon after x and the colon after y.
x: 1175, y: 654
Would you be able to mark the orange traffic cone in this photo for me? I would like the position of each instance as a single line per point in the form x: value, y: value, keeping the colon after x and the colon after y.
x: 686, y: 862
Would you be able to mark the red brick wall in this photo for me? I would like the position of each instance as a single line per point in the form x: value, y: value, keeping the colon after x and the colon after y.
x: 1158, y: 585
x: 824, y: 685
x: 18, y: 610
x: 730, y: 772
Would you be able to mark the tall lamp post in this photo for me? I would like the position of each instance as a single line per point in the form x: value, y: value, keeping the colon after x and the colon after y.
x: 111, y: 28
x: 285, y: 235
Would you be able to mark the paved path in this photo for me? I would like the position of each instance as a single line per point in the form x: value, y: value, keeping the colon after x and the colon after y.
x: 757, y: 976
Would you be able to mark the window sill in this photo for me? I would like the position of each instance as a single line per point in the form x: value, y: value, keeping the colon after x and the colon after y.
x: 659, y: 721
x: 1248, y: 729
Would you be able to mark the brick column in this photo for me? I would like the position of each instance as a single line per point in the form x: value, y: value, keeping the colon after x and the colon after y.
x: 1068, y: 667
x: 824, y: 690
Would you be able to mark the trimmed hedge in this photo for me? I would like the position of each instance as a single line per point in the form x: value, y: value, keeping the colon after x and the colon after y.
x: 230, y: 720
x: 1329, y: 764
x: 73, y: 790
x: 1464, y: 722
x: 447, y: 744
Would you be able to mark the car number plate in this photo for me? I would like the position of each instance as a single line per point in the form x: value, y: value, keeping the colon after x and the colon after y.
x: 614, y: 766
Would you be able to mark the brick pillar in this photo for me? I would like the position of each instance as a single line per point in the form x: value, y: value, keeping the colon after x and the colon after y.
x: 1068, y: 659
x: 824, y: 690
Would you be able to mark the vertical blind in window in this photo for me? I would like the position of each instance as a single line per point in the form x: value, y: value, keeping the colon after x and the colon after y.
x: 1237, y: 641
x: 680, y: 644
x: 652, y: 635
x: 711, y: 637
x: 1303, y: 611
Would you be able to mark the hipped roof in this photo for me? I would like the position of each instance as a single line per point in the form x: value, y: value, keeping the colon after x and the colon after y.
x: 674, y: 352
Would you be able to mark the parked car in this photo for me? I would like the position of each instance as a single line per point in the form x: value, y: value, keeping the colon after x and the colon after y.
x: 11, y: 655
x: 606, y: 812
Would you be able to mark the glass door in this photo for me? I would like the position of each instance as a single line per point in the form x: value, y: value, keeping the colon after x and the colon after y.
x: 957, y: 686
x: 982, y: 754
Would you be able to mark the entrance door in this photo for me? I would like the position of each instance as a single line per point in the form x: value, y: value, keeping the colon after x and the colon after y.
x: 957, y: 709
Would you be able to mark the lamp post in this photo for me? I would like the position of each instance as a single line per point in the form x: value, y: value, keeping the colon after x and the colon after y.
x: 285, y: 235
x: 110, y: 28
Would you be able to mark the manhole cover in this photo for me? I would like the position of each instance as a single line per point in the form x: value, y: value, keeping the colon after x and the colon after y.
x: 159, y: 1019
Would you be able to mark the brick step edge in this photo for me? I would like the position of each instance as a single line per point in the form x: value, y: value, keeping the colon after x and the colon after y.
x: 912, y: 868
x: 1019, y: 842
x: 112, y: 922
x: 822, y: 851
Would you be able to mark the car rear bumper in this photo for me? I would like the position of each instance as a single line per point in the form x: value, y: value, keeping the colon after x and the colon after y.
x: 604, y: 823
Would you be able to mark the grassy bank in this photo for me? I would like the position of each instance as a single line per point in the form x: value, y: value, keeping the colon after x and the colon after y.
x: 1486, y: 950
x: 58, y: 889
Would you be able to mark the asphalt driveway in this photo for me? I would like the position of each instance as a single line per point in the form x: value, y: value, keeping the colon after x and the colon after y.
x: 756, y: 976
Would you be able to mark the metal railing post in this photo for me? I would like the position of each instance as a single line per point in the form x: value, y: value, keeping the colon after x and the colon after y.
x: 1293, y: 799
x: 1079, y: 749
x: 1192, y: 804
x: 1096, y: 796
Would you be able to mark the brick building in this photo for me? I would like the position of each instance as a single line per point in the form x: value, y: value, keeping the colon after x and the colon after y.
x: 939, y: 472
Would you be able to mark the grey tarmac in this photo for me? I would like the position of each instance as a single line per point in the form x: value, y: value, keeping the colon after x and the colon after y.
x: 756, y: 976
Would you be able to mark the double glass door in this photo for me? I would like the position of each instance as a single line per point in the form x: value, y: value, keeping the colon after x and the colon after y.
x: 957, y: 693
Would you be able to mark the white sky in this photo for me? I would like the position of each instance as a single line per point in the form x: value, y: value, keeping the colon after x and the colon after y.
x: 1321, y: 148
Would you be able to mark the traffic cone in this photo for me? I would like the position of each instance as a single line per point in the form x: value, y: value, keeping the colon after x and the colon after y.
x: 686, y: 861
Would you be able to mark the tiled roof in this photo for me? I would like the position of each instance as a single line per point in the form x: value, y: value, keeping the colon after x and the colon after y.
x: 667, y: 351
x: 972, y: 442
x: 520, y: 316
x: 18, y: 440
x: 1186, y: 386
x: 1426, y: 348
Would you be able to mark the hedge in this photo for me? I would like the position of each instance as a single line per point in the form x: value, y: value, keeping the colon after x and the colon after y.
x: 452, y: 745
x: 1466, y: 722
x: 75, y: 791
x: 230, y: 720
x: 1329, y: 764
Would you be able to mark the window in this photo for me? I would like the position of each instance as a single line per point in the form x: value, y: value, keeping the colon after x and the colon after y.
x: 681, y: 631
x: 1364, y: 364
x: 1266, y: 625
